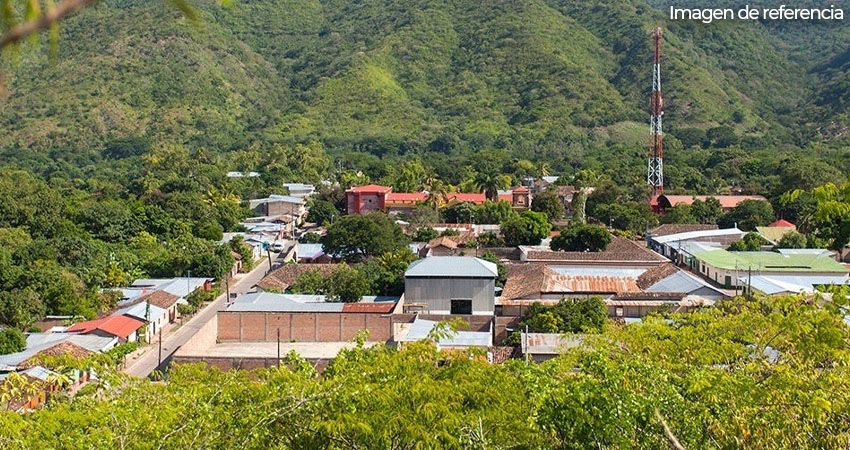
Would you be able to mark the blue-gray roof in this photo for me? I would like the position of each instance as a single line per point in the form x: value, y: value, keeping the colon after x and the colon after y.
x: 140, y: 311
x: 452, y: 267
x: 681, y: 282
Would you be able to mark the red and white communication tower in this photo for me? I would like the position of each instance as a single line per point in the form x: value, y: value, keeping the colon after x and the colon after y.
x: 655, y: 167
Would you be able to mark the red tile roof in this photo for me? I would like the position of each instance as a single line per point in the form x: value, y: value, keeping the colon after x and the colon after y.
x: 380, y: 308
x: 473, y: 197
x: 521, y: 189
x: 782, y: 223
x: 117, y: 325
x: 406, y: 197
x: 726, y: 201
x: 371, y: 188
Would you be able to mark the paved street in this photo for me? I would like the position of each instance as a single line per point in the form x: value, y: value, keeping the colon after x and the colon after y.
x: 141, y: 365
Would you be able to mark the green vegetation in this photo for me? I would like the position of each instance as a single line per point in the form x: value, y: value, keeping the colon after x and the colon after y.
x: 528, y: 228
x: 11, y: 341
x: 582, y: 238
x: 581, y: 315
x: 751, y: 242
x: 754, y: 374
x: 356, y: 237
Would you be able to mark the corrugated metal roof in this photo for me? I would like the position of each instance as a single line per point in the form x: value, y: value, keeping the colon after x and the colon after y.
x: 140, y: 311
x: 699, y: 234
x: 421, y: 328
x: 38, y: 342
x: 452, y: 267
x: 680, y: 282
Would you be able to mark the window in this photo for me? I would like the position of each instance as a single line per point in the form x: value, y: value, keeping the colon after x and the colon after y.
x: 461, y: 306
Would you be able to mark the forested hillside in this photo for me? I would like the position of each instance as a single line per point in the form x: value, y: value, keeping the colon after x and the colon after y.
x: 395, y: 77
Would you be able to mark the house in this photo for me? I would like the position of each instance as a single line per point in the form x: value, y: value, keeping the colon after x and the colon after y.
x: 161, y: 299
x: 255, y: 241
x: 540, y: 347
x: 670, y: 245
x: 621, y: 252
x: 39, y: 344
x: 664, y: 202
x: 153, y: 315
x: 733, y: 269
x: 282, y: 278
x: 440, y: 246
x: 237, y: 263
x: 421, y: 329
x: 45, y: 380
x: 774, y: 232
x: 280, y: 205
x: 311, y: 254
x: 451, y: 285
x: 122, y: 327
x: 300, y: 189
x: 181, y: 287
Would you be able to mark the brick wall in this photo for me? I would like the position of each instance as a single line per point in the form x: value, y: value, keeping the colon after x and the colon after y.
x: 302, y: 327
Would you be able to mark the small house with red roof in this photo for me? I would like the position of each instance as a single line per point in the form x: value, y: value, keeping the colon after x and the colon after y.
x: 782, y: 223
x: 123, y: 327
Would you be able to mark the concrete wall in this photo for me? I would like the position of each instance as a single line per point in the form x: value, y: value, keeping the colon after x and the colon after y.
x: 301, y: 327
x: 437, y: 293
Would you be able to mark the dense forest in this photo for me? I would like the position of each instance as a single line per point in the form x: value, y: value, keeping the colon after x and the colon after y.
x: 748, y: 374
x: 759, y: 106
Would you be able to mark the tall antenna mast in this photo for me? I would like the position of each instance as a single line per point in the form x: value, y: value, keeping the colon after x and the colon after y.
x: 655, y: 167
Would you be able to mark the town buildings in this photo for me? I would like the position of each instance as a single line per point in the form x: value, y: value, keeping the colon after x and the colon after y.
x: 373, y: 197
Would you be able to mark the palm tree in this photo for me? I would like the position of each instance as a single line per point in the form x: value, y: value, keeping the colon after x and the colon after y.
x: 436, y: 193
x: 544, y: 169
x: 490, y: 183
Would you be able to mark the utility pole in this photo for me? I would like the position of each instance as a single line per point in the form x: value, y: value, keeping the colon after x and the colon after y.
x: 160, y: 350
x: 269, y: 252
x: 655, y: 166
x: 278, y: 346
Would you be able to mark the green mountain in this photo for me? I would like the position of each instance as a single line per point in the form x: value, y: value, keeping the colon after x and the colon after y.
x: 392, y: 76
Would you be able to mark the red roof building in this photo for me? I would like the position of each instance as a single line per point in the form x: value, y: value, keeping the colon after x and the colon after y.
x: 727, y: 202
x: 783, y: 224
x: 373, y: 197
x: 123, y: 327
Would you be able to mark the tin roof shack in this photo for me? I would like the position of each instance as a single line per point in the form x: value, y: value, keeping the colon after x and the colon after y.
x: 450, y: 285
x: 280, y: 205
